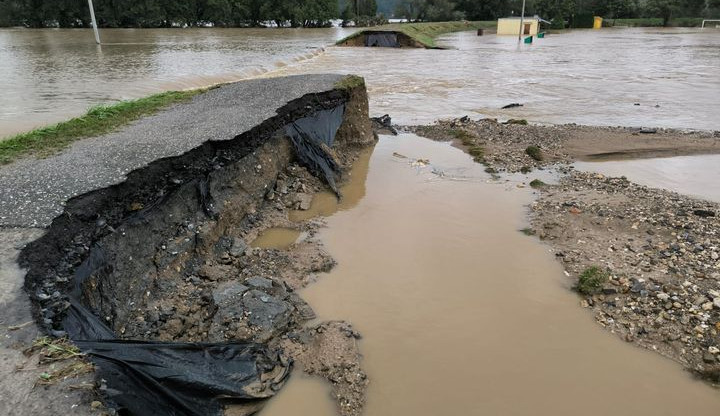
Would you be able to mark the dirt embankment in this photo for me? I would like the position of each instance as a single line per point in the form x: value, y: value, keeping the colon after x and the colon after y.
x: 646, y: 261
x: 166, y: 256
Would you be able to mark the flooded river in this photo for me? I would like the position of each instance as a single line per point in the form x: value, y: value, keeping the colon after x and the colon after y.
x: 462, y: 314
x: 584, y: 76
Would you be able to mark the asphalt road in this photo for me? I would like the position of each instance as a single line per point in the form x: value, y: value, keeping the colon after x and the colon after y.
x: 32, y: 191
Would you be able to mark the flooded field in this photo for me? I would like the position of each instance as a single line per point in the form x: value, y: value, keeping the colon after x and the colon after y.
x: 50, y: 75
x: 690, y: 175
x: 462, y: 314
x: 587, y: 77
x: 584, y: 76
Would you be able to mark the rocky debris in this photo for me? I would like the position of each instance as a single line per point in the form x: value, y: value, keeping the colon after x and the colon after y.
x: 383, y: 125
x: 330, y: 350
x: 504, y: 145
x: 663, y: 258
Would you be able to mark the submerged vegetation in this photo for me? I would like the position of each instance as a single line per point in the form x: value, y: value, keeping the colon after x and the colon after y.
x: 98, y: 120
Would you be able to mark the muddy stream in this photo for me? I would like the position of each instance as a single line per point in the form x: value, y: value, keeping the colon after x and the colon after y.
x: 461, y: 313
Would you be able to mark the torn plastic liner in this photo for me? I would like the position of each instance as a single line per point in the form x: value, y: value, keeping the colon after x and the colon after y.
x: 313, y: 137
x: 170, y: 379
x: 382, y: 39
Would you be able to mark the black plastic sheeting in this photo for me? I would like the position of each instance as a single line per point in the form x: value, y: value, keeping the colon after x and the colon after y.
x: 382, y: 39
x: 312, y: 137
x: 169, y: 379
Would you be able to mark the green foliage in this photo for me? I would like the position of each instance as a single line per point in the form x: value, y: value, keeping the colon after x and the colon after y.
x: 98, y: 120
x: 167, y: 13
x: 534, y: 152
x: 537, y: 183
x: 591, y: 280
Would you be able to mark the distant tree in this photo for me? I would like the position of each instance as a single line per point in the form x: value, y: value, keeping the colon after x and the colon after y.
x: 662, y: 8
x: 558, y: 9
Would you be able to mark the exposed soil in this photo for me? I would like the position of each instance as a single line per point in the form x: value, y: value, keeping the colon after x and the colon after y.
x: 166, y: 256
x: 658, y: 251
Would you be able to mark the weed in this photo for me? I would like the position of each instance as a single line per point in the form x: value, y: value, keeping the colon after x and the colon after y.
x: 537, y: 183
x: 521, y: 121
x: 528, y: 231
x: 534, y: 152
x: 591, y: 280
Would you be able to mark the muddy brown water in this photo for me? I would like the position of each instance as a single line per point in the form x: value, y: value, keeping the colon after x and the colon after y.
x: 462, y: 314
x: 583, y: 76
x: 691, y: 175
x: 278, y: 238
x: 49, y: 75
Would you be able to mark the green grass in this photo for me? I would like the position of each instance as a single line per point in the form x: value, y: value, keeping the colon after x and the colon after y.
x: 98, y: 120
x: 657, y: 21
x: 349, y: 82
x: 473, y: 149
x: 426, y: 32
x: 591, y: 280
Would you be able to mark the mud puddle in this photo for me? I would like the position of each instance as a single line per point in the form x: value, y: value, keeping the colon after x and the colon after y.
x: 690, y: 175
x: 462, y: 314
x: 327, y: 203
x: 278, y: 238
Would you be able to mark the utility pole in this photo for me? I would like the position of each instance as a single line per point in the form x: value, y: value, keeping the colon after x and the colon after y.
x: 522, y: 18
x: 94, y: 22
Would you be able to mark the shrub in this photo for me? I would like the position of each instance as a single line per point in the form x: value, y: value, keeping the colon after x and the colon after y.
x: 534, y: 152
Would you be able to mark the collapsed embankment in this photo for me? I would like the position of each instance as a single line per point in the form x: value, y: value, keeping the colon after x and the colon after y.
x: 143, y: 270
x: 409, y: 35
x: 646, y: 261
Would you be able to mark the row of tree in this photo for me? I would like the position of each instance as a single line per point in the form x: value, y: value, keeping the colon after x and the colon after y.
x: 168, y: 13
x: 558, y: 10
x: 317, y: 13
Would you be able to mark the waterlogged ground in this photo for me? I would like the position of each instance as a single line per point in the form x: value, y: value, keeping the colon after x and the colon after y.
x: 462, y: 314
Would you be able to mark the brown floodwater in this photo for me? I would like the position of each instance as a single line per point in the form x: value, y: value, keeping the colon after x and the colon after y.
x: 462, y: 314
x: 49, y: 75
x: 691, y: 175
x: 590, y: 77
x: 583, y: 76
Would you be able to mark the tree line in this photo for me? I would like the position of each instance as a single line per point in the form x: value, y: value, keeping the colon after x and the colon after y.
x: 319, y: 13
x: 556, y: 10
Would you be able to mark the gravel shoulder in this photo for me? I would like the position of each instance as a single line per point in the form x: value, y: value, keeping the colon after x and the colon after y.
x: 657, y: 252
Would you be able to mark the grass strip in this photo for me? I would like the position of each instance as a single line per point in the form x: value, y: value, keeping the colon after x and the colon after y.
x: 98, y: 120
